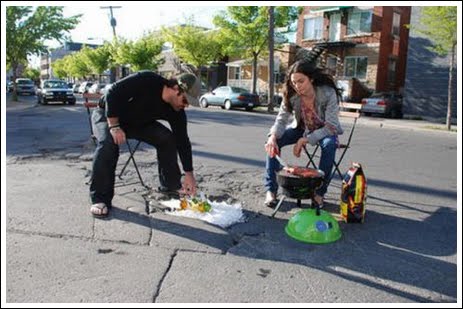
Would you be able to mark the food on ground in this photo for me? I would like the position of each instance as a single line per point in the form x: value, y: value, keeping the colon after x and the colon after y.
x: 195, y: 205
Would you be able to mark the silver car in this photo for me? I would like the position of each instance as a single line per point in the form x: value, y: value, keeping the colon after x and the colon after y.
x: 388, y: 105
x: 229, y: 97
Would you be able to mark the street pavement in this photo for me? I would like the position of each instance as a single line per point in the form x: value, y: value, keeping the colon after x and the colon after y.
x: 57, y: 253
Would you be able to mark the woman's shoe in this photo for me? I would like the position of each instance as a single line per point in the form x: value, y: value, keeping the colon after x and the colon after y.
x: 270, y: 199
x: 317, y: 201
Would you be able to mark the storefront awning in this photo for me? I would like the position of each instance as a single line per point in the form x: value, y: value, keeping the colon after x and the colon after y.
x: 328, y: 8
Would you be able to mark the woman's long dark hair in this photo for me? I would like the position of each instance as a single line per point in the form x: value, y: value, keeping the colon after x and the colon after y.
x: 309, y: 69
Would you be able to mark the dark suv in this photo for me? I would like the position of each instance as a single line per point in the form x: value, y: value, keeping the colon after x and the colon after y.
x: 55, y: 90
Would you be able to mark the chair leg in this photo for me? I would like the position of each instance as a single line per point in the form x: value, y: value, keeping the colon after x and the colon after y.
x: 311, y: 161
x: 278, y: 206
x: 131, y: 158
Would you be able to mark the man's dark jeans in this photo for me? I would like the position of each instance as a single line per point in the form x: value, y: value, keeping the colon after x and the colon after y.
x: 107, y: 154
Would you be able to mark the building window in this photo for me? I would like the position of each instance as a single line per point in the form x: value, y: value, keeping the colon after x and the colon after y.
x: 358, y: 22
x: 396, y: 24
x: 331, y: 64
x: 391, y: 70
x: 237, y: 73
x: 356, y: 67
x: 313, y: 28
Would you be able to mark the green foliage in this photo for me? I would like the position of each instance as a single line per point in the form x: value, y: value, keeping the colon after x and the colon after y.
x: 439, y: 23
x: 78, y: 65
x: 193, y: 44
x: 60, y: 69
x: 143, y: 54
x: 31, y: 73
x: 98, y: 59
x: 244, y: 30
x: 28, y: 29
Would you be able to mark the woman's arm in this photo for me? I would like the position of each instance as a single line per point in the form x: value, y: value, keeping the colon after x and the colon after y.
x: 332, y: 125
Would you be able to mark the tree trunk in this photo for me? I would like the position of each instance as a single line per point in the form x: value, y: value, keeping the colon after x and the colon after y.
x: 254, y: 72
x: 271, y: 79
x: 15, y: 76
x: 449, y: 91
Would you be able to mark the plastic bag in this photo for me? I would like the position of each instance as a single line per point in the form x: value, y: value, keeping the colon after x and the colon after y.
x: 354, y: 195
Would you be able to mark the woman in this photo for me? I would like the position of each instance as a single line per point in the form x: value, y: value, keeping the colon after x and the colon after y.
x: 311, y: 96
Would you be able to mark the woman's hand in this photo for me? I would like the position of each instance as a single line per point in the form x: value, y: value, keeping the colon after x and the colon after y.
x: 118, y: 135
x: 298, y: 146
x: 331, y: 127
x: 271, y: 147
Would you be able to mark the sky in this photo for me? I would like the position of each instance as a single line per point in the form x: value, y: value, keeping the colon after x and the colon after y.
x: 132, y: 20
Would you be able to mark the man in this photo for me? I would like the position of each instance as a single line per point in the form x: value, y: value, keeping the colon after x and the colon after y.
x: 131, y: 109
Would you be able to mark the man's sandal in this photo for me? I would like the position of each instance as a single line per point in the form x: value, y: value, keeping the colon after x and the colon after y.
x: 99, y: 210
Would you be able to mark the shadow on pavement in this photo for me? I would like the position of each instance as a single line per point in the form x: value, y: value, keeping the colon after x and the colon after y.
x: 385, y: 247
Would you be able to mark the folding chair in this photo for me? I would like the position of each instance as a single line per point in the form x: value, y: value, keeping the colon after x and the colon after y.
x: 351, y: 110
x: 91, y: 101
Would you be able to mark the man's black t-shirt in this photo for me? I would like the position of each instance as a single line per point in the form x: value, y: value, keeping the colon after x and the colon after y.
x: 137, y: 101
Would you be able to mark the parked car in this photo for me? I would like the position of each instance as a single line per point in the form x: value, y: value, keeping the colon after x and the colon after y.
x: 97, y: 88
x: 229, y: 97
x: 75, y: 88
x: 55, y: 90
x: 85, y: 86
x: 9, y: 87
x: 25, y: 85
x: 277, y: 99
x: 387, y: 104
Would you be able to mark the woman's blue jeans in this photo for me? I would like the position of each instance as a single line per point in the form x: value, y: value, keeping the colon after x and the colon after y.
x: 328, y: 147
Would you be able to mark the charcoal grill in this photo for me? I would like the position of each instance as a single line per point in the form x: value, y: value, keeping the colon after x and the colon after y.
x: 298, y: 187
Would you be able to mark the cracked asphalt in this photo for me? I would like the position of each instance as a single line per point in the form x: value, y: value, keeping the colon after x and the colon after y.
x: 56, y: 252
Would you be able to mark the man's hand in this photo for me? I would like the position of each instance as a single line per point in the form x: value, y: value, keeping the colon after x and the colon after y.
x: 298, y: 146
x: 189, y: 184
x: 118, y: 135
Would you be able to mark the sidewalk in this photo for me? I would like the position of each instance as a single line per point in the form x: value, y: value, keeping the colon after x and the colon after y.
x: 406, y: 123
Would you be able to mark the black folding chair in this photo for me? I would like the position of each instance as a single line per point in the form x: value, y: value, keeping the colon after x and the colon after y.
x: 91, y: 101
x: 351, y: 110
x: 131, y: 158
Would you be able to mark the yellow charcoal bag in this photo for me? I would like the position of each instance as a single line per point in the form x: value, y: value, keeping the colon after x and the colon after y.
x: 354, y: 195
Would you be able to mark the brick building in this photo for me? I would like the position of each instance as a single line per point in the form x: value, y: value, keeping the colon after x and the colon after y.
x: 367, y: 45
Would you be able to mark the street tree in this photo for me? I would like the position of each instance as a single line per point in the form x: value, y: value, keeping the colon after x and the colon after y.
x: 60, y: 68
x: 439, y: 24
x: 32, y: 73
x: 194, y: 45
x: 143, y: 54
x: 78, y: 65
x: 244, y: 30
x: 98, y: 59
x: 27, y: 29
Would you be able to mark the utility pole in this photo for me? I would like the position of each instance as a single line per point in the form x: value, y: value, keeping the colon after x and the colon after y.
x: 271, y: 64
x: 113, y: 25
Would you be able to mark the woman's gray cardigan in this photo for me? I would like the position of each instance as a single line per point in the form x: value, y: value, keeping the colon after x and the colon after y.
x: 326, y: 102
